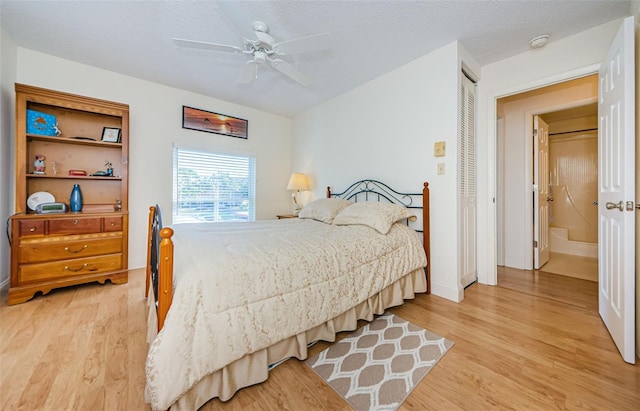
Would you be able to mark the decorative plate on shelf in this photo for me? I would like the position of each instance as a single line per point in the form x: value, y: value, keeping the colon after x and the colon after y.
x: 39, y: 197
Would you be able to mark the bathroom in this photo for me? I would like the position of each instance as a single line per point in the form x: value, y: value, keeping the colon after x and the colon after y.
x: 573, y: 187
x: 570, y: 111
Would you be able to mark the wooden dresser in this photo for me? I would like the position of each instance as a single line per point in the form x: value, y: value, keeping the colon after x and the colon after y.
x: 61, y: 249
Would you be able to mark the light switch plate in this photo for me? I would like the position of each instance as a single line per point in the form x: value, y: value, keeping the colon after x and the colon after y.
x: 440, y: 169
x: 439, y: 148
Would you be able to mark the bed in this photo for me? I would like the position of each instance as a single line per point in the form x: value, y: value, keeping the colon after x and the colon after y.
x: 235, y: 299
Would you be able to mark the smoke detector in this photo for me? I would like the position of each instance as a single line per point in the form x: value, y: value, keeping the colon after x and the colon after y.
x: 539, y: 41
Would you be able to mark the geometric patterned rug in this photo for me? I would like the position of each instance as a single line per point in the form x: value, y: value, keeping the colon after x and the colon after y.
x: 377, y: 366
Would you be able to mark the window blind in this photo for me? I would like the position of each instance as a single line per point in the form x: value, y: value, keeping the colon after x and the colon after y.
x: 211, y: 187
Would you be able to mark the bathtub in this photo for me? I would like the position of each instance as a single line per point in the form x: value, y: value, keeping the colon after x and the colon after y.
x: 559, y: 243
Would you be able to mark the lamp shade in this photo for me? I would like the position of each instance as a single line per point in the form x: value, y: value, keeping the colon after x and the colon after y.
x: 298, y: 181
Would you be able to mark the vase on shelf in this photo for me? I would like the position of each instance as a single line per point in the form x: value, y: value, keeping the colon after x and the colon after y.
x: 75, y: 201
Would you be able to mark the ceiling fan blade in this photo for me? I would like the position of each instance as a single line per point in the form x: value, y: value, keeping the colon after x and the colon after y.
x: 248, y: 73
x: 234, y: 12
x: 206, y: 45
x: 304, y: 44
x: 290, y: 71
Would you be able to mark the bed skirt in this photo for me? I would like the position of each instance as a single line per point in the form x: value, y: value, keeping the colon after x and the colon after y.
x: 254, y: 368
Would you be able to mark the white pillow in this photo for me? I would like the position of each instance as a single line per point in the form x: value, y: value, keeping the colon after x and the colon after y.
x: 379, y: 216
x: 324, y: 209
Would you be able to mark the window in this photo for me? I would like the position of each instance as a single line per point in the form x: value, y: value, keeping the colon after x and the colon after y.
x: 212, y: 187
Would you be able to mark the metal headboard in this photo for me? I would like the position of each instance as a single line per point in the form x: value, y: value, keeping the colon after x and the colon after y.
x: 373, y: 190
x: 156, y: 226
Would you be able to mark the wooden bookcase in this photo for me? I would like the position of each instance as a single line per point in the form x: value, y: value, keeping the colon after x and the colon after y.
x: 56, y: 250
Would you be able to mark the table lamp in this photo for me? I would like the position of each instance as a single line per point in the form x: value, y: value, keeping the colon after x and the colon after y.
x: 297, y: 182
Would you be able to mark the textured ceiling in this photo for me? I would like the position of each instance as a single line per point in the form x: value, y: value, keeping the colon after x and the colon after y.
x: 369, y: 38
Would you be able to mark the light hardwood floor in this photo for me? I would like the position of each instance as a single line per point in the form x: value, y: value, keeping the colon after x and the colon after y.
x: 533, y: 342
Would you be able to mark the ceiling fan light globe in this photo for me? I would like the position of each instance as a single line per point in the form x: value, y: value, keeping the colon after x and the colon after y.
x: 260, y: 56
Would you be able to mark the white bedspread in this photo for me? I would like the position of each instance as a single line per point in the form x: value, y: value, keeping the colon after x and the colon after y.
x: 241, y: 287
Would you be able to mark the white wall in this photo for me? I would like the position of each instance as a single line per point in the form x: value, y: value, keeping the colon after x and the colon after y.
x: 558, y: 61
x: 8, y: 52
x: 385, y: 130
x: 156, y: 124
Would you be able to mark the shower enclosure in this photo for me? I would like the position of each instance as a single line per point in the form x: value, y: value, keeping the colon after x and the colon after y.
x: 573, y: 161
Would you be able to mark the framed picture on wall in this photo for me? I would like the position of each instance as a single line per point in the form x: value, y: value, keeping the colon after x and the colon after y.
x: 111, y: 135
x: 211, y: 122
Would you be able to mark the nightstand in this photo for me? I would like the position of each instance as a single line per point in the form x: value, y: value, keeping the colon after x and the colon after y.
x: 281, y: 216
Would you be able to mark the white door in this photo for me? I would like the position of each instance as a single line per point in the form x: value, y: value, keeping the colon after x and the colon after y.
x: 467, y: 250
x: 541, y: 193
x: 616, y: 191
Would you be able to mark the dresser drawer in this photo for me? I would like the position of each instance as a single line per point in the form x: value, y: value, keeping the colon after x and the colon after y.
x: 27, y: 228
x: 33, y: 252
x: 64, y: 226
x: 113, y: 224
x: 68, y: 268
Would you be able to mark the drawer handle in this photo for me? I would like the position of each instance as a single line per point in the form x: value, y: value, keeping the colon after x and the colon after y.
x: 32, y: 229
x: 66, y: 267
x: 75, y: 221
x: 75, y: 251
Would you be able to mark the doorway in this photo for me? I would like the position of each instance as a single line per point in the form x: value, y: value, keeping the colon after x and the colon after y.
x: 570, y: 107
x: 616, y: 194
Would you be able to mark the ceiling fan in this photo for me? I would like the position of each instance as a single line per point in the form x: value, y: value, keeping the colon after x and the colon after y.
x: 262, y: 48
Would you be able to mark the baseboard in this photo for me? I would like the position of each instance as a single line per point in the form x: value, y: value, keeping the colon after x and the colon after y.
x: 453, y: 294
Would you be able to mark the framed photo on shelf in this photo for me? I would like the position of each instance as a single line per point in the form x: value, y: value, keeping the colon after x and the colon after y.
x: 111, y: 135
x: 211, y: 122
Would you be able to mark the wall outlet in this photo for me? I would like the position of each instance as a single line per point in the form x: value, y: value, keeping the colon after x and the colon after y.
x: 439, y: 149
x: 440, y: 169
